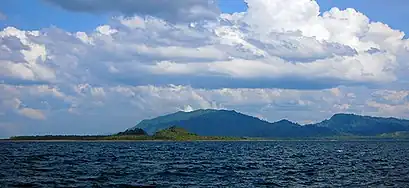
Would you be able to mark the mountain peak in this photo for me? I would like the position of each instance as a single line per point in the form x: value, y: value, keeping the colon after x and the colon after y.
x: 285, y: 121
x: 181, y: 117
x: 345, y: 117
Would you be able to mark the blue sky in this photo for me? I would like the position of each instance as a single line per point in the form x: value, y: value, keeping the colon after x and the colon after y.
x: 100, y: 66
x: 36, y: 14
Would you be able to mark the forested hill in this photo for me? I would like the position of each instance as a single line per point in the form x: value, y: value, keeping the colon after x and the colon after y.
x: 231, y: 123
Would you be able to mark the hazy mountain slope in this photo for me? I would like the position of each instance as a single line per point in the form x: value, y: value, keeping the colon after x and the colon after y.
x: 230, y: 123
x: 364, y: 125
x: 207, y: 123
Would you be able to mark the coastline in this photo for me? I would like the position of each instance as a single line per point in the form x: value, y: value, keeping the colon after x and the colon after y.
x: 177, y: 134
x: 238, y: 140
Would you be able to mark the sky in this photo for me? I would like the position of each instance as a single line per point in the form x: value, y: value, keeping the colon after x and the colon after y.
x: 101, y: 66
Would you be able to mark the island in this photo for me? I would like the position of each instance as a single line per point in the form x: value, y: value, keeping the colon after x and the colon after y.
x: 173, y: 133
x: 230, y: 125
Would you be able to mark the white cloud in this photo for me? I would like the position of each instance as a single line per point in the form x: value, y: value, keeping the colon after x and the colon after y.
x: 389, y: 109
x: 32, y: 113
x: 22, y: 58
x: 239, y: 49
x: 188, y: 108
x: 392, y: 96
x: 106, y: 30
x: 279, y: 59
x: 16, y: 105
x: 133, y: 103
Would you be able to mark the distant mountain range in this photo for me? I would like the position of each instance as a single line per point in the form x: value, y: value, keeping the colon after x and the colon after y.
x: 232, y: 123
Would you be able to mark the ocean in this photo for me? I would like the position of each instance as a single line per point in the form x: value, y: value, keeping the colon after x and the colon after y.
x: 205, y: 164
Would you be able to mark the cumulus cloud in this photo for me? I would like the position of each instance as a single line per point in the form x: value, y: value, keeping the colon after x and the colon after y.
x: 235, y: 52
x: 16, y: 105
x: 277, y: 58
x: 170, y: 10
x: 22, y: 59
x: 113, y: 108
x: 32, y: 113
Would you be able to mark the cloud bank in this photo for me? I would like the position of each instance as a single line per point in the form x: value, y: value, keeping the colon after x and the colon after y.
x: 277, y: 58
x: 171, y: 10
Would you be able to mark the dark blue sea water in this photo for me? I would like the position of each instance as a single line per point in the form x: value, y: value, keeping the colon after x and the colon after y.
x: 204, y: 164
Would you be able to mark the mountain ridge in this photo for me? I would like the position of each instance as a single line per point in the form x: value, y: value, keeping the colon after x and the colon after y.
x: 211, y: 122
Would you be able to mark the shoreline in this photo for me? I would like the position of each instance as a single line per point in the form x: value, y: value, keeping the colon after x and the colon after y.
x: 239, y: 140
x: 9, y: 140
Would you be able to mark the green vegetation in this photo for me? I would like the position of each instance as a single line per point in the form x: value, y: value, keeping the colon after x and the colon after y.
x: 192, y: 119
x: 357, y: 125
x: 59, y: 137
x: 232, y: 125
x: 127, y: 137
x: 177, y: 133
x: 172, y: 134
x: 133, y: 132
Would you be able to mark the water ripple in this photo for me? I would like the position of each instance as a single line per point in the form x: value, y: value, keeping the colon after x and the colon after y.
x: 204, y: 164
